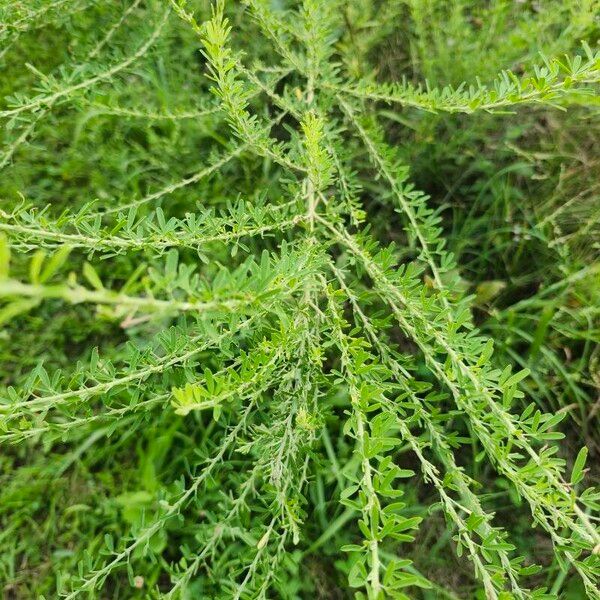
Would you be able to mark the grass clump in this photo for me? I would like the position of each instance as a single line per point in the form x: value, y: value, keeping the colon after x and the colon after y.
x: 299, y: 299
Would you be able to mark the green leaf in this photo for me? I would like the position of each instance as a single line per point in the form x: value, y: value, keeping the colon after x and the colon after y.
x: 578, y: 466
x: 4, y: 257
x: 54, y: 263
x: 487, y: 291
x: 35, y: 266
x: 514, y: 379
x: 92, y: 276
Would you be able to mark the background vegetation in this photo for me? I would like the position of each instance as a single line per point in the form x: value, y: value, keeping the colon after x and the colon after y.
x: 299, y: 299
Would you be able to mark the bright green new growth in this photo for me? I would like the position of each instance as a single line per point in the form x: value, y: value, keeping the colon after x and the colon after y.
x: 265, y: 375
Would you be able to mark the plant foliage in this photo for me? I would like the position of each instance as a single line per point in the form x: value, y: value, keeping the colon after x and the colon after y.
x: 244, y: 356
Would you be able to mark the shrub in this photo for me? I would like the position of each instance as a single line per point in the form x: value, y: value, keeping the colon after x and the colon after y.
x: 244, y: 355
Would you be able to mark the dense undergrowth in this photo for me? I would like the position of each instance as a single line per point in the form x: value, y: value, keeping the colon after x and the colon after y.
x: 299, y: 299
